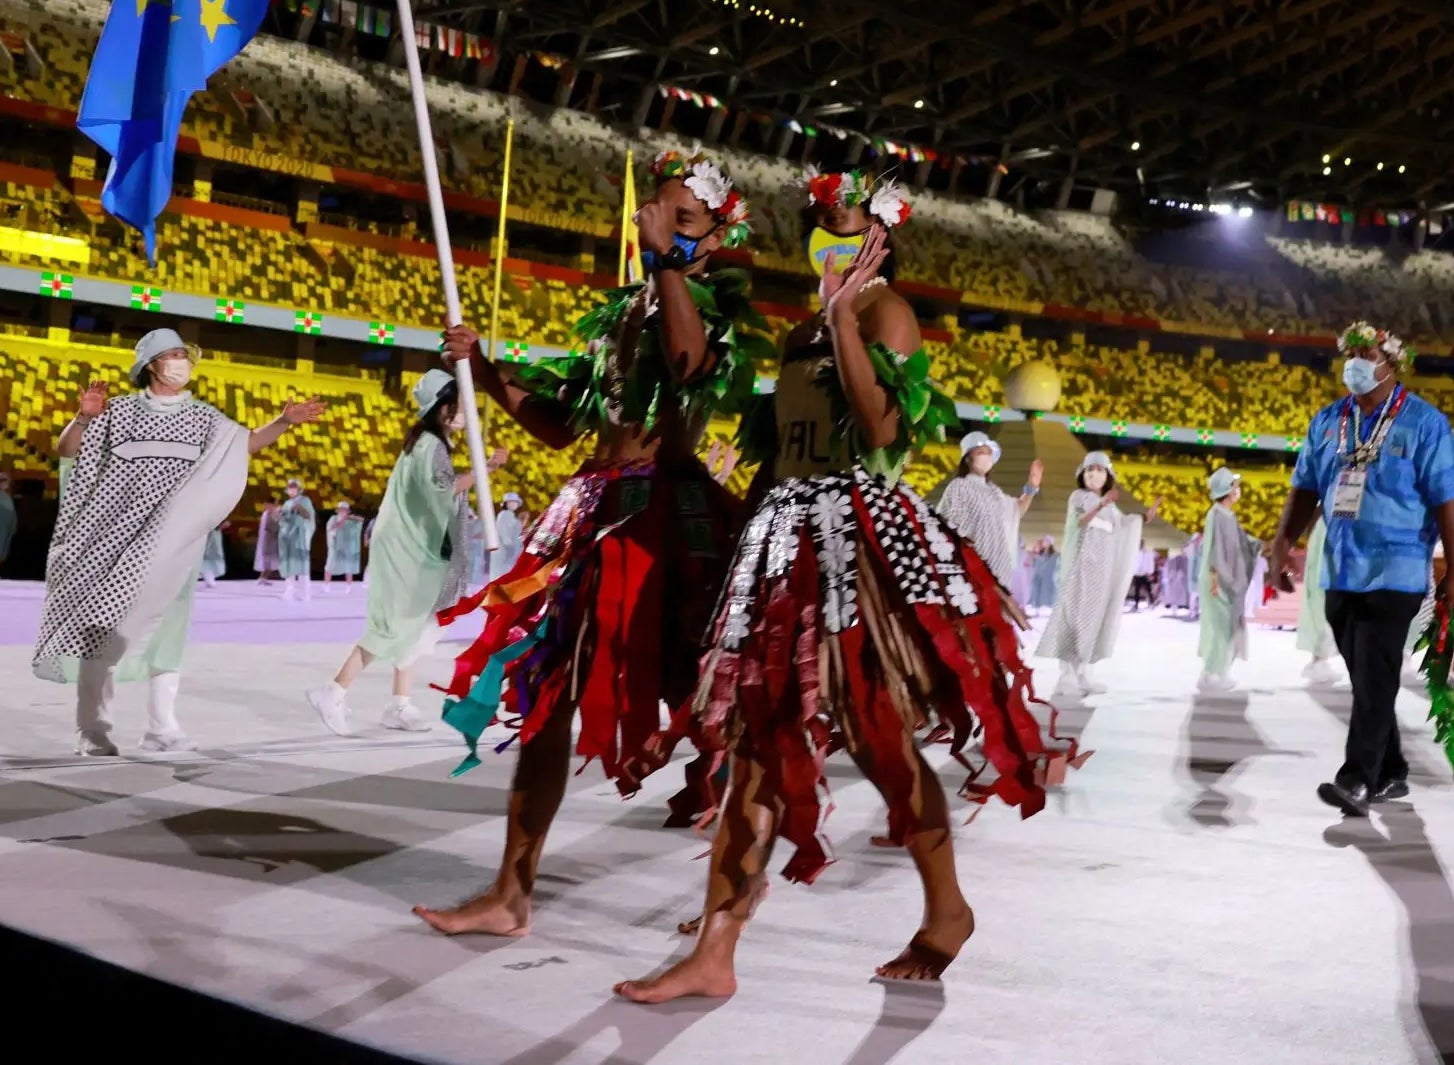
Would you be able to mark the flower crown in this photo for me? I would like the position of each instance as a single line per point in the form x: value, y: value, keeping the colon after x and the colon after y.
x: 853, y: 188
x: 1360, y: 336
x: 705, y: 180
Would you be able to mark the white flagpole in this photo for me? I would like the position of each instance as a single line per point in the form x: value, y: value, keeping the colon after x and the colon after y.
x: 453, y: 315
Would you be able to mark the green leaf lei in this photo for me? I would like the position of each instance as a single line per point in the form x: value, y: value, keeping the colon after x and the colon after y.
x: 591, y: 385
x: 1439, y: 649
x: 926, y: 413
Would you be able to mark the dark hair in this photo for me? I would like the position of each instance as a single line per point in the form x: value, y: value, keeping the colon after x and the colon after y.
x: 143, y: 376
x: 429, y: 421
x: 1110, y: 481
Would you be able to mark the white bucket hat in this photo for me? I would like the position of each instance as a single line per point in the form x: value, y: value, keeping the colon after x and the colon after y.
x: 1221, y: 483
x: 1095, y: 458
x: 426, y: 392
x: 512, y: 497
x: 979, y: 439
x: 154, y: 345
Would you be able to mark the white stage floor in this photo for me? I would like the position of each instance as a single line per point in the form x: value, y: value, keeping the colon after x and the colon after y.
x: 1186, y: 898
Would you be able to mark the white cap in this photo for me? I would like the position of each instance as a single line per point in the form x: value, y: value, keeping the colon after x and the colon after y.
x: 1095, y: 458
x: 426, y: 392
x: 1221, y: 483
x: 979, y: 439
x: 153, y: 346
x: 512, y: 497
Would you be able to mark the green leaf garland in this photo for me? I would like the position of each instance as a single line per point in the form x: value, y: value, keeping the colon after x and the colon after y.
x: 598, y: 395
x: 1438, y: 650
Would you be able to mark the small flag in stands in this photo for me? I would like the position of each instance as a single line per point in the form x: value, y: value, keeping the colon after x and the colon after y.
x: 517, y: 351
x: 1204, y: 436
x: 992, y: 414
x: 1161, y: 432
x: 1118, y: 428
x: 310, y: 322
x: 381, y: 333
x: 145, y: 298
x: 1294, y: 443
x: 57, y: 286
x: 1249, y: 439
x: 231, y: 311
x: 1077, y: 423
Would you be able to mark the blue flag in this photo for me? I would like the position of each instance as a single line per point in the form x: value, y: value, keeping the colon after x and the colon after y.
x: 152, y: 55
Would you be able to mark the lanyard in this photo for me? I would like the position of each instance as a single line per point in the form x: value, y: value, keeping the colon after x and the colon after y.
x: 1363, y: 453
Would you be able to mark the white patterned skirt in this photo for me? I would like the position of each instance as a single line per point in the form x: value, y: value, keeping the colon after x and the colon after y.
x: 854, y: 614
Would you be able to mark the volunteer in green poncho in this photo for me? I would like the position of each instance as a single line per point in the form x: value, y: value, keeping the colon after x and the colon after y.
x: 418, y: 562
x: 1314, y: 634
x: 344, y: 533
x: 1227, y: 559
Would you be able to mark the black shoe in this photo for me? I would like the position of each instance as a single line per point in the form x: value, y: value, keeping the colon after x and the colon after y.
x: 1398, y: 788
x: 1351, y: 799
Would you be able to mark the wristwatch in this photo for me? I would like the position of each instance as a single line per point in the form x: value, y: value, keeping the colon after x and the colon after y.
x: 672, y: 259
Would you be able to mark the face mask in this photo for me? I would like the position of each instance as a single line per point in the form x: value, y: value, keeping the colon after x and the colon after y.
x: 981, y: 464
x: 1360, y: 375
x: 821, y: 242
x: 174, y: 373
x: 651, y: 261
x: 1095, y: 479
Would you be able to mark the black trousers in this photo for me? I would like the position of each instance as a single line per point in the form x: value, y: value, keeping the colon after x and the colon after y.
x: 1141, y: 584
x: 1371, y: 629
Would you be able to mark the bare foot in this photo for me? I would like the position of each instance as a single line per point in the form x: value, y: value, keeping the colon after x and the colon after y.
x: 489, y: 915
x: 692, y: 927
x: 886, y: 841
x: 931, y: 950
x: 694, y: 976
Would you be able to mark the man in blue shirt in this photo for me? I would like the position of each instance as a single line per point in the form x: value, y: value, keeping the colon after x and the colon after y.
x: 1380, y: 461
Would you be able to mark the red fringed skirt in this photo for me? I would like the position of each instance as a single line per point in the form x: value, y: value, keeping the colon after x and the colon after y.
x: 612, y: 594
x: 852, y: 607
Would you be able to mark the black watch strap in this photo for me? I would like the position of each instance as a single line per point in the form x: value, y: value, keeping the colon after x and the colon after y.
x: 674, y: 258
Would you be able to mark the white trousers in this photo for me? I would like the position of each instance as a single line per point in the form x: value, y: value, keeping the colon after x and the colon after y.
x: 96, y: 691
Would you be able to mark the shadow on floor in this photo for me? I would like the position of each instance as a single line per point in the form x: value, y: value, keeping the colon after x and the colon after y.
x: 1217, y: 740
x: 1408, y: 865
x: 908, y: 1011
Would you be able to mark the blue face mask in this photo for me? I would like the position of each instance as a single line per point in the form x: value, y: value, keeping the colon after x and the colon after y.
x: 1360, y: 375
x: 688, y: 245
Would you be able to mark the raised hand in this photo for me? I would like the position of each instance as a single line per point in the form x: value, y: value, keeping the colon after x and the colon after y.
x: 497, y: 459
x: 309, y: 410
x: 836, y: 290
x: 1037, y: 473
x: 461, y: 343
x: 93, y: 399
x: 1111, y: 497
x: 656, y: 224
x: 1155, y: 508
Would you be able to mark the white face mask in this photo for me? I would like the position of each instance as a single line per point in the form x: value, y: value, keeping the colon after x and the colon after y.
x: 174, y: 373
x: 1095, y: 478
x: 981, y: 463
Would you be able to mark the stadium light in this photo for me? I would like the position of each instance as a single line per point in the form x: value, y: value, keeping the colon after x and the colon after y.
x: 1327, y: 170
x: 918, y: 105
x: 1380, y: 166
x: 1198, y: 207
x: 1244, y: 212
x: 833, y: 84
x: 713, y: 50
x: 1327, y: 158
x: 1401, y: 169
x: 1135, y: 146
x: 1347, y: 160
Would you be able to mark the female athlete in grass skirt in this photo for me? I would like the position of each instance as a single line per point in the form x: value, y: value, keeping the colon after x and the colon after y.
x: 851, y: 606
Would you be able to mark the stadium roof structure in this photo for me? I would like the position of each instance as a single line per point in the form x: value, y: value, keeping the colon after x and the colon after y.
x: 1343, y: 100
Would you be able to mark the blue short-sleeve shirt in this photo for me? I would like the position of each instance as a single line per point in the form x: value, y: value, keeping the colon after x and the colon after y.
x: 1390, y: 545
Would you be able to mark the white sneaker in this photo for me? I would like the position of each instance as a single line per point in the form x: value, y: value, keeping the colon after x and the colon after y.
x: 1088, y: 681
x: 287, y: 589
x: 1069, y: 684
x: 168, y: 742
x: 406, y: 718
x: 1212, y: 683
x: 1321, y: 672
x: 95, y: 745
x: 331, y: 707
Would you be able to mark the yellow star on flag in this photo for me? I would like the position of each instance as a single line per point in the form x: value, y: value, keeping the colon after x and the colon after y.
x: 214, y: 17
x: 142, y: 5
